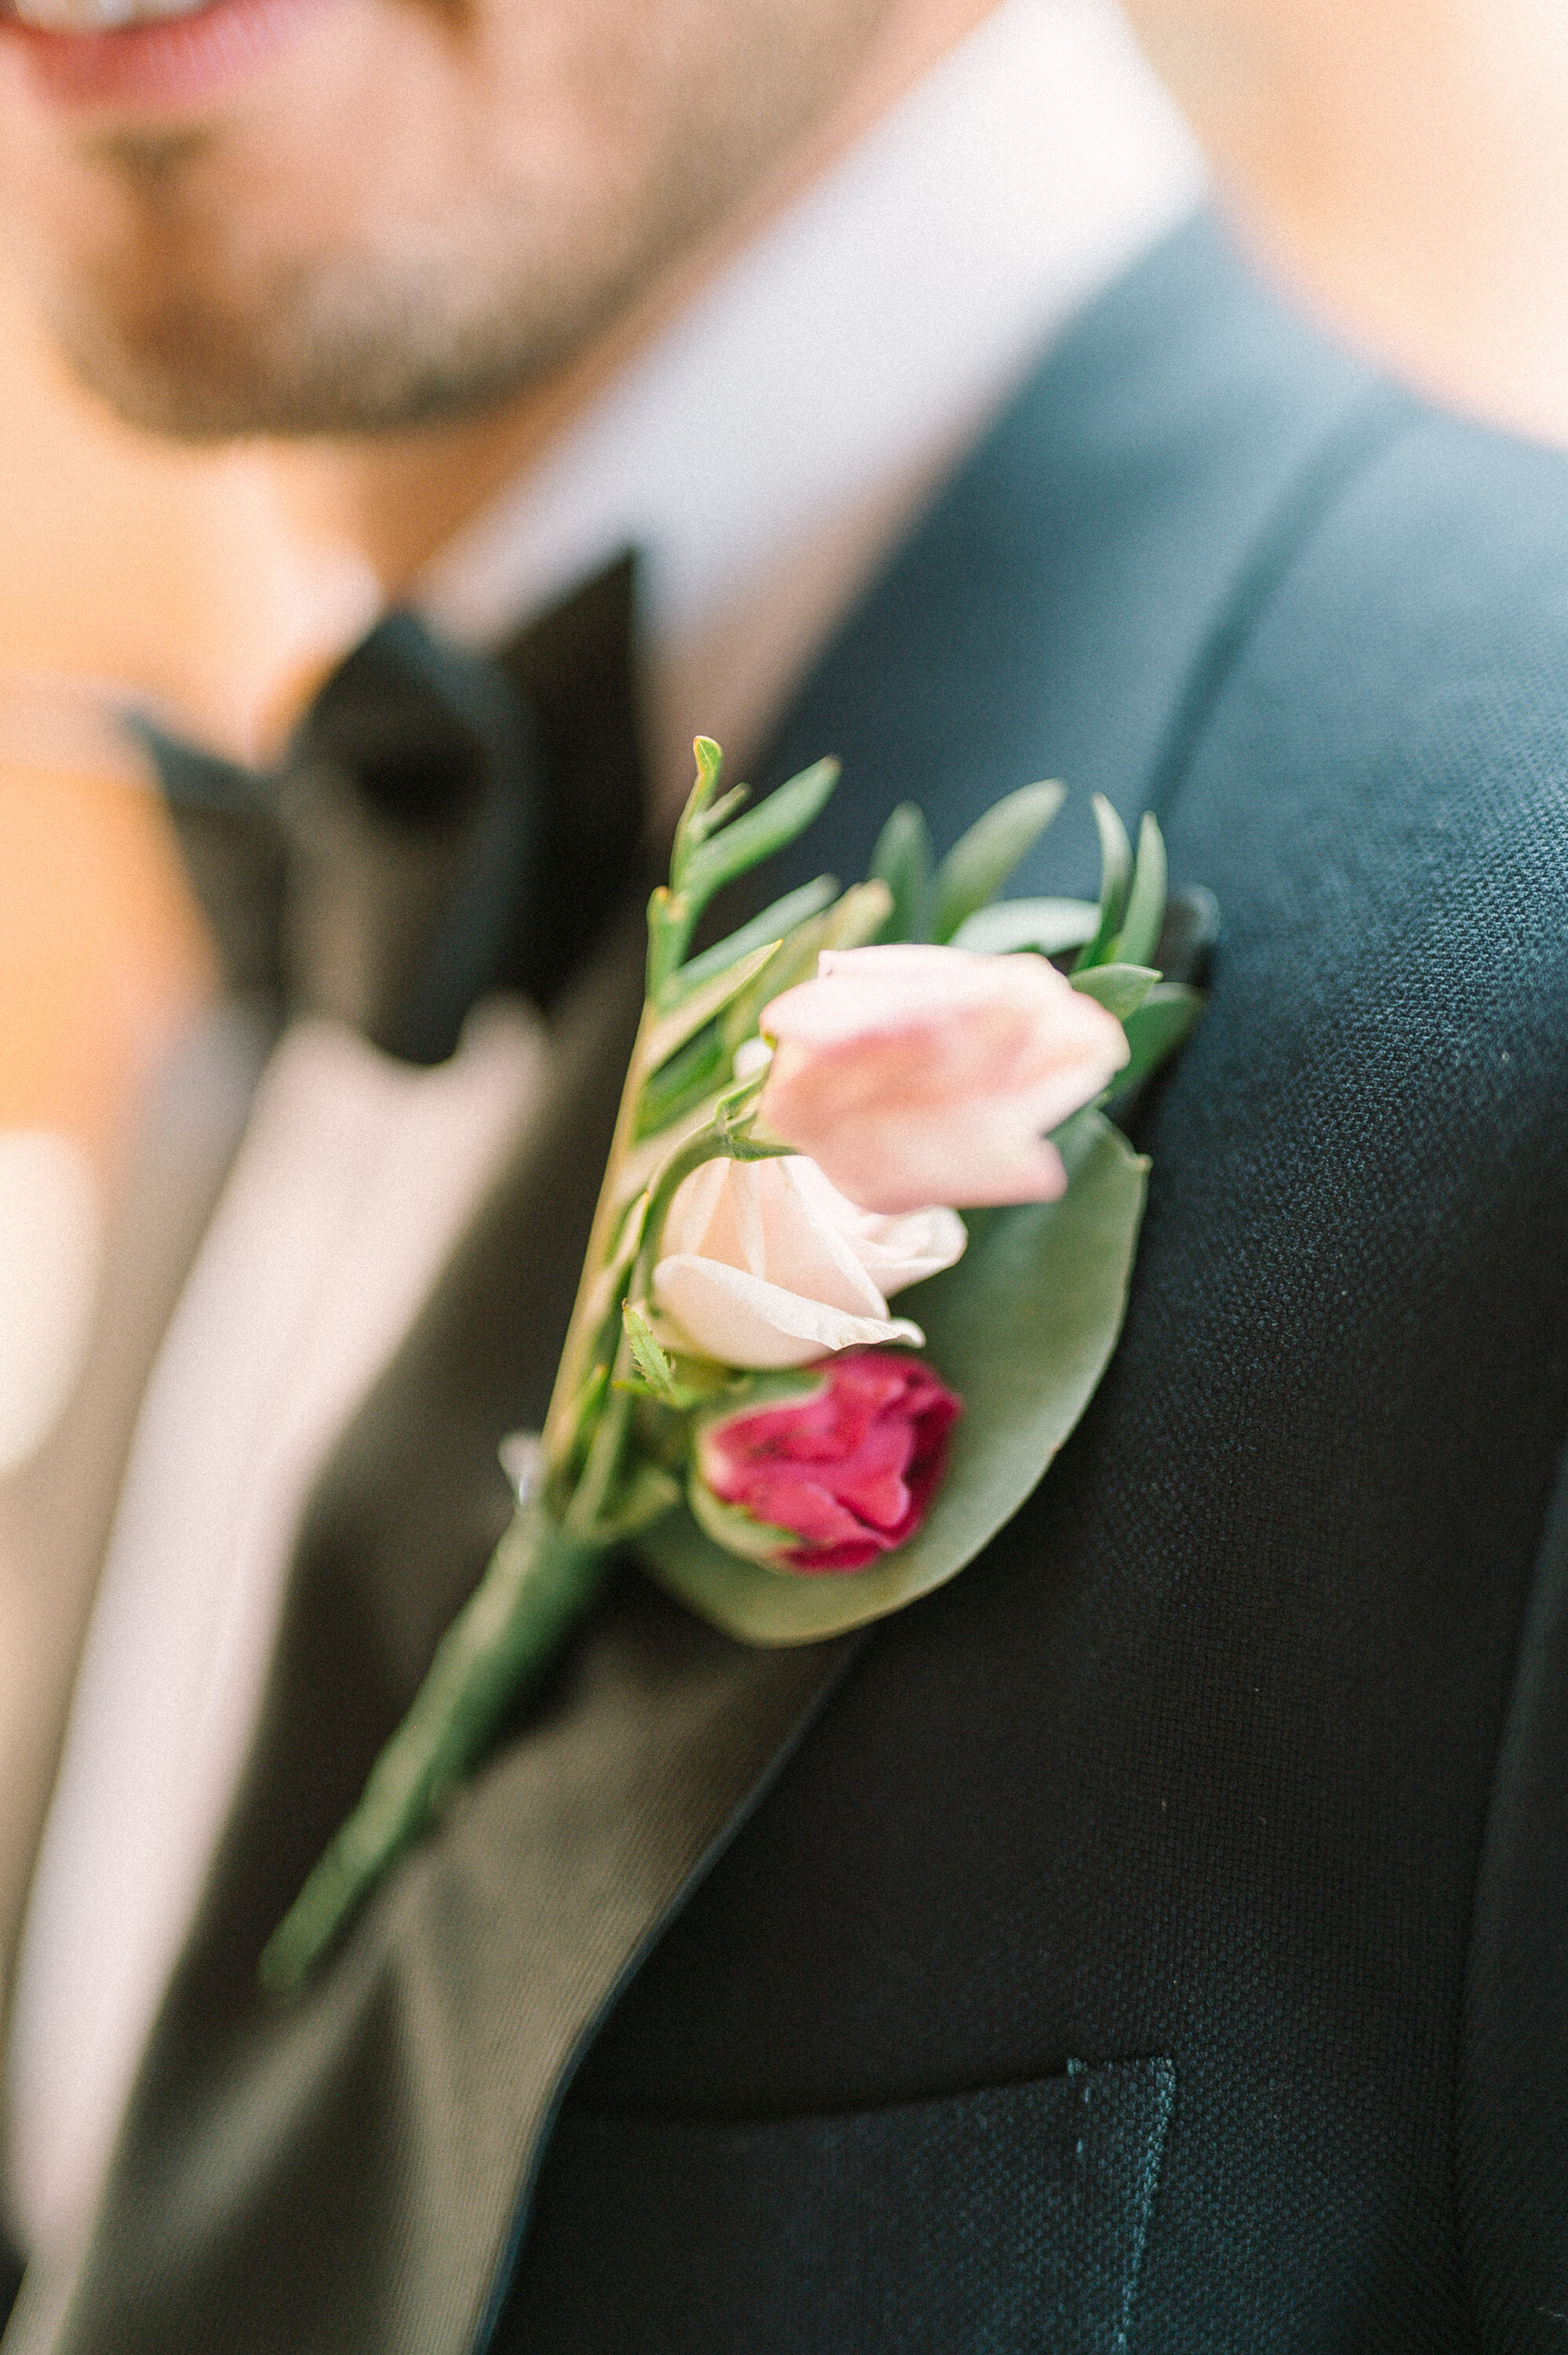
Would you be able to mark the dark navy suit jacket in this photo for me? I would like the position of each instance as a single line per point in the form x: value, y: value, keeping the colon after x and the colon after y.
x: 1157, y: 1939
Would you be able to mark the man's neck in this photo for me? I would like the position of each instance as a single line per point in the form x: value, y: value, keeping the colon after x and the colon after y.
x: 399, y: 497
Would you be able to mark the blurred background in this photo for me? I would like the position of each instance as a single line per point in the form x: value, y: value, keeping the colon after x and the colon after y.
x: 1404, y: 163
x: 129, y: 571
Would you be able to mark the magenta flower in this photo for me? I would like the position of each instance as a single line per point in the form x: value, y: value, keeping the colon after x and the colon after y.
x: 829, y: 1479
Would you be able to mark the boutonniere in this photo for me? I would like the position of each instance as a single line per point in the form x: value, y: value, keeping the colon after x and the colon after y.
x: 895, y: 1092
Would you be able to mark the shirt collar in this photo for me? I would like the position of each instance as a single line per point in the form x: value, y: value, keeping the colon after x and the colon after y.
x: 764, y: 452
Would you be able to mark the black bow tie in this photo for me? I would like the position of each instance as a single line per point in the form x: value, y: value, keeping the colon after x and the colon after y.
x: 441, y: 824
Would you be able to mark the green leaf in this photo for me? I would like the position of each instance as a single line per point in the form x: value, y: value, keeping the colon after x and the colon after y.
x: 1022, y: 1329
x: 735, y: 1532
x: 851, y: 923
x: 697, y: 819
x: 1048, y: 925
x: 706, y: 858
x: 773, y: 924
x: 755, y: 836
x: 1146, y: 902
x: 1119, y: 988
x: 686, y: 1081
x: 981, y: 861
x: 671, y: 1031
x: 902, y: 860
x: 1191, y: 927
x: 1116, y: 876
x: 651, y: 1361
x: 857, y: 919
x: 648, y: 1493
x: 1161, y: 1023
x: 725, y: 808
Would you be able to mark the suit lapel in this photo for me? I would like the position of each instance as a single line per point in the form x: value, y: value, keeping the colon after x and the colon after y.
x: 347, y: 2173
x: 343, y: 2172
x: 1060, y: 602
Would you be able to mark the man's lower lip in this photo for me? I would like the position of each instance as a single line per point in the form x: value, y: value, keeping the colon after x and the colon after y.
x: 162, y: 67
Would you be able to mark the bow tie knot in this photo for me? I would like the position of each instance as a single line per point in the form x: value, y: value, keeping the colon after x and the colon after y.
x: 431, y: 818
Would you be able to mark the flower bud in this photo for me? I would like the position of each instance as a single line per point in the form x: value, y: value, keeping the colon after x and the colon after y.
x: 826, y: 1475
x: 766, y: 1264
x: 914, y: 1075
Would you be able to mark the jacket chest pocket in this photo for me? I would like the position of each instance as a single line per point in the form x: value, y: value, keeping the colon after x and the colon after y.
x: 1010, y: 2222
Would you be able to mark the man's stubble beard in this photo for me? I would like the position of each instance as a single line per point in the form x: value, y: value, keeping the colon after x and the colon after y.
x: 190, y: 329
x: 480, y: 227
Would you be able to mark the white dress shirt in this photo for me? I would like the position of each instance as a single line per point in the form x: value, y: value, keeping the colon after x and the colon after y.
x: 763, y: 454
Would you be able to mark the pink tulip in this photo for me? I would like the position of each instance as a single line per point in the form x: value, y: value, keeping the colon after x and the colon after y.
x: 847, y: 1471
x: 912, y: 1075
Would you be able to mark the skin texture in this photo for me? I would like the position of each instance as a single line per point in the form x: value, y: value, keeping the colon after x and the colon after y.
x: 440, y: 222
x: 434, y: 222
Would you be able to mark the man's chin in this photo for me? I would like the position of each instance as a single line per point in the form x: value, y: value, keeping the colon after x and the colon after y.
x: 203, y: 389
x: 205, y: 381
x: 323, y: 351
x: 408, y: 221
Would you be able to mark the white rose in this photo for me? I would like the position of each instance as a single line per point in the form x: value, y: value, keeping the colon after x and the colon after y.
x: 766, y: 1264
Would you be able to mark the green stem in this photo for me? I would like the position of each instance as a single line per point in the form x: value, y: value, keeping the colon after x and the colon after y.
x: 538, y: 1582
x: 593, y: 1489
x: 547, y: 1570
x: 560, y: 1420
x: 721, y: 1141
